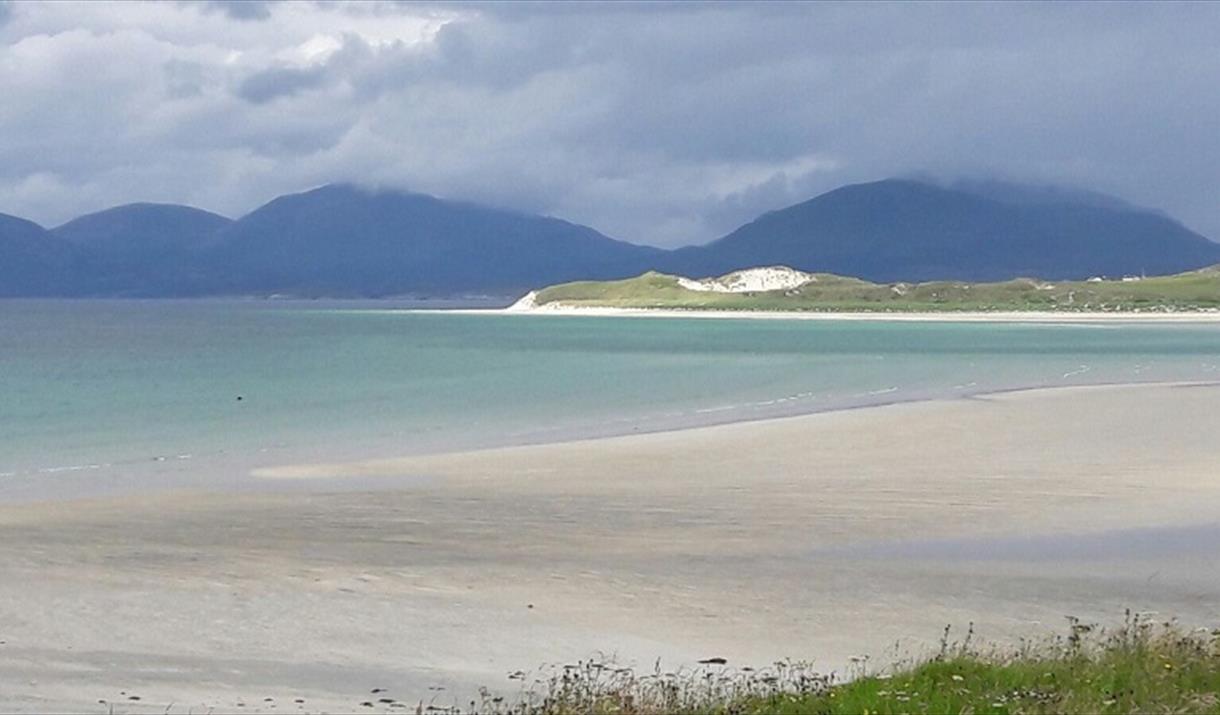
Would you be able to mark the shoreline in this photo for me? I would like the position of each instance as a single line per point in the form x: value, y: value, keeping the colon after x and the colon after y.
x: 370, y: 467
x: 259, y: 479
x: 1201, y: 317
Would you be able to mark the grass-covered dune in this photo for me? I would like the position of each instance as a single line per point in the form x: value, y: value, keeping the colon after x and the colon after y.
x: 823, y: 292
x: 1141, y: 667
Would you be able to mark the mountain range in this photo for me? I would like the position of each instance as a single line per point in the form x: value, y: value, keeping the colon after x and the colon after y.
x: 343, y: 240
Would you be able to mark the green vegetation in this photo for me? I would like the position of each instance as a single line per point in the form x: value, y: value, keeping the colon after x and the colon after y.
x: 1184, y: 292
x: 1139, y: 667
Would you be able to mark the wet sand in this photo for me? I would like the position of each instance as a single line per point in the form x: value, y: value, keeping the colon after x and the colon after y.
x: 861, y: 532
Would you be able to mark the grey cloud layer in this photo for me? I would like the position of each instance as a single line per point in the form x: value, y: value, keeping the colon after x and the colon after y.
x: 241, y: 9
x: 666, y: 124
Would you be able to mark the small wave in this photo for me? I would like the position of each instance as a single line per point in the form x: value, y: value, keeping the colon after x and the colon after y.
x: 886, y: 391
x: 724, y: 408
x: 70, y: 468
x: 1078, y: 371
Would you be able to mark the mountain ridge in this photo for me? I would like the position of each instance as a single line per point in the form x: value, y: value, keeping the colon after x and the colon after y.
x: 898, y: 229
x: 407, y: 242
x: 139, y: 248
x: 349, y: 240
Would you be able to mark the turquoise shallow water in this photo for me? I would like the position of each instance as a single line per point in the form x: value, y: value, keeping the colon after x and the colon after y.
x: 102, y: 395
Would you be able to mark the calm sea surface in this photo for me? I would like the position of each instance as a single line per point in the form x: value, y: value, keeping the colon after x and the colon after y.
x: 105, y: 395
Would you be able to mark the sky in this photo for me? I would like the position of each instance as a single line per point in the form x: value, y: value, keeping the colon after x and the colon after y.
x: 656, y: 123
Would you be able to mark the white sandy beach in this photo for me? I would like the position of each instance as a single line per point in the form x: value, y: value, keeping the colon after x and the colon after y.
x: 817, y: 537
x: 1043, y: 317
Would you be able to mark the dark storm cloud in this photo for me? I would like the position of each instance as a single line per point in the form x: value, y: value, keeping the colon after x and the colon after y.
x: 242, y: 9
x: 268, y: 84
x: 664, y: 123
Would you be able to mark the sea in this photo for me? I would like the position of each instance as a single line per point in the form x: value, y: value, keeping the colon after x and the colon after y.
x: 103, y: 397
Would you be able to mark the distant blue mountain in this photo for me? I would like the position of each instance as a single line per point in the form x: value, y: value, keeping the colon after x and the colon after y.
x: 900, y: 230
x: 140, y: 249
x: 346, y: 240
x: 1038, y: 194
x: 32, y: 261
x: 342, y: 240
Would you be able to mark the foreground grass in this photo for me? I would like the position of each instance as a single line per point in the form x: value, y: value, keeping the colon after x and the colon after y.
x: 1169, y: 672
x: 1142, y: 667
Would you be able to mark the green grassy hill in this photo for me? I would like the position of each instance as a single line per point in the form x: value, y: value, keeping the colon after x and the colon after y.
x: 1193, y: 291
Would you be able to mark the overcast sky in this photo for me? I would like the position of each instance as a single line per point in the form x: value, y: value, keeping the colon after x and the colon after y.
x: 664, y: 124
